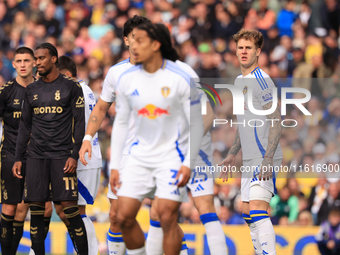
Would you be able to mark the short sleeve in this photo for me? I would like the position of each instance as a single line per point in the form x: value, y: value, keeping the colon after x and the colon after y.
x: 109, y: 88
x: 264, y: 90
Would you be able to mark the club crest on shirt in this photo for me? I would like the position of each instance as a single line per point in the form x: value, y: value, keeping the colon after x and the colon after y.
x: 35, y: 97
x: 245, y: 89
x: 165, y: 91
x: 16, y: 102
x: 57, y: 95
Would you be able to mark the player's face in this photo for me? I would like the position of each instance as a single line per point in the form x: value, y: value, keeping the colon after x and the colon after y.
x: 247, y: 53
x: 143, y: 47
x: 129, y: 40
x: 44, y: 61
x: 23, y: 64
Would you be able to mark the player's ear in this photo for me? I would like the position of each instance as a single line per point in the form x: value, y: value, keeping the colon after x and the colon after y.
x: 126, y: 41
x: 156, y: 45
x: 13, y: 64
x: 54, y: 59
x: 258, y: 51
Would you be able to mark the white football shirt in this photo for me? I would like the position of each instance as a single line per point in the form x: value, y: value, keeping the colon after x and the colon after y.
x: 254, y: 129
x: 96, y: 159
x: 109, y: 93
x: 157, y: 101
x: 205, y: 149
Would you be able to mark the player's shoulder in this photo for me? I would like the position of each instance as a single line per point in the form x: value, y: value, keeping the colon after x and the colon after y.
x: 187, y: 68
x: 176, y: 71
x: 261, y: 78
x: 130, y: 71
x: 119, y: 68
x: 7, y: 86
x: 69, y: 81
x: 87, y: 91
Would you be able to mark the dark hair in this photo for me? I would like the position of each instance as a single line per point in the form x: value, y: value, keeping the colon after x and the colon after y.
x: 159, y: 32
x: 23, y: 50
x: 67, y: 63
x: 132, y: 23
x: 51, y: 49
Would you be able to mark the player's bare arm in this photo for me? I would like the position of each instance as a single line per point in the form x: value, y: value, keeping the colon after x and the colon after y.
x: 275, y: 131
x: 96, y: 118
x: 230, y: 159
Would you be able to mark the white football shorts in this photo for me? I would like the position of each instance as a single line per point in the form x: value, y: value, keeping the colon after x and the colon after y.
x: 139, y: 182
x: 88, y: 185
x: 250, y: 174
x: 201, y: 182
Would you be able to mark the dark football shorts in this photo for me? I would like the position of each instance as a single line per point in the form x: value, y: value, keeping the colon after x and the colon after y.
x: 40, y: 173
x: 11, y: 187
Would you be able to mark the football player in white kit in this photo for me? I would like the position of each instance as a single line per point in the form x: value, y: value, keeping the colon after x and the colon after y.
x: 89, y: 175
x: 201, y: 185
x: 116, y: 244
x: 158, y: 92
x: 259, y: 140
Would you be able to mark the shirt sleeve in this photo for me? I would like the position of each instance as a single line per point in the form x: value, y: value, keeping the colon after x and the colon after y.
x: 120, y: 127
x: 77, y: 105
x: 264, y: 90
x: 25, y: 127
x: 3, y: 99
x: 191, y: 104
x: 109, y: 88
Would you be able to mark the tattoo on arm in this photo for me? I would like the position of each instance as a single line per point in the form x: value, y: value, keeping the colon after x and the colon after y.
x: 236, y: 144
x: 275, y: 130
x: 94, y: 119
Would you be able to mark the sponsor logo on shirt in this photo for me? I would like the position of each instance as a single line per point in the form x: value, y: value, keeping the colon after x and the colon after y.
x: 80, y: 102
x: 47, y: 109
x: 152, y: 112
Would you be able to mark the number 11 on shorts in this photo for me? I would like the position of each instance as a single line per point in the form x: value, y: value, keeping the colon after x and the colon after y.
x: 67, y: 181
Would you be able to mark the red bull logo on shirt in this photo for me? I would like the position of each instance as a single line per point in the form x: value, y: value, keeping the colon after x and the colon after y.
x: 152, y: 112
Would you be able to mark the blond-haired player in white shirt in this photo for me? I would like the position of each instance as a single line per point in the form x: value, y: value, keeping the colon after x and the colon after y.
x: 258, y: 136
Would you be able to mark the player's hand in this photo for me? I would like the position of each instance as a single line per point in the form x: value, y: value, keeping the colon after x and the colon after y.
x: 226, y: 164
x: 185, y: 172
x: 266, y: 169
x: 16, y: 169
x: 114, y: 181
x: 85, y: 147
x: 70, y: 166
x: 330, y: 244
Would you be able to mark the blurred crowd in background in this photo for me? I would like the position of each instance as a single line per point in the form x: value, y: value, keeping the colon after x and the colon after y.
x: 301, y: 49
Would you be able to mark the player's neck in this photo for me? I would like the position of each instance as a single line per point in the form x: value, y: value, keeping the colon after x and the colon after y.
x: 53, y: 75
x: 153, y: 64
x: 132, y: 59
x: 245, y: 71
x: 24, y: 81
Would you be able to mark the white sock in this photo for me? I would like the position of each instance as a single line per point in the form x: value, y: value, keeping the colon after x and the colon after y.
x: 140, y: 251
x: 154, y: 241
x: 265, y: 231
x: 116, y: 244
x: 215, y: 234
x: 91, y: 235
x: 255, y: 239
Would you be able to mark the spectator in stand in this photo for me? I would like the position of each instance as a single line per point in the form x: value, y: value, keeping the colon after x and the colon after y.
x: 328, y: 238
x: 224, y: 27
x: 286, y: 19
x: 263, y: 18
x: 285, y: 204
x: 305, y: 218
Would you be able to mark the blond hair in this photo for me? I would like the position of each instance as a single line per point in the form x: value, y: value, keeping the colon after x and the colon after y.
x: 250, y: 34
